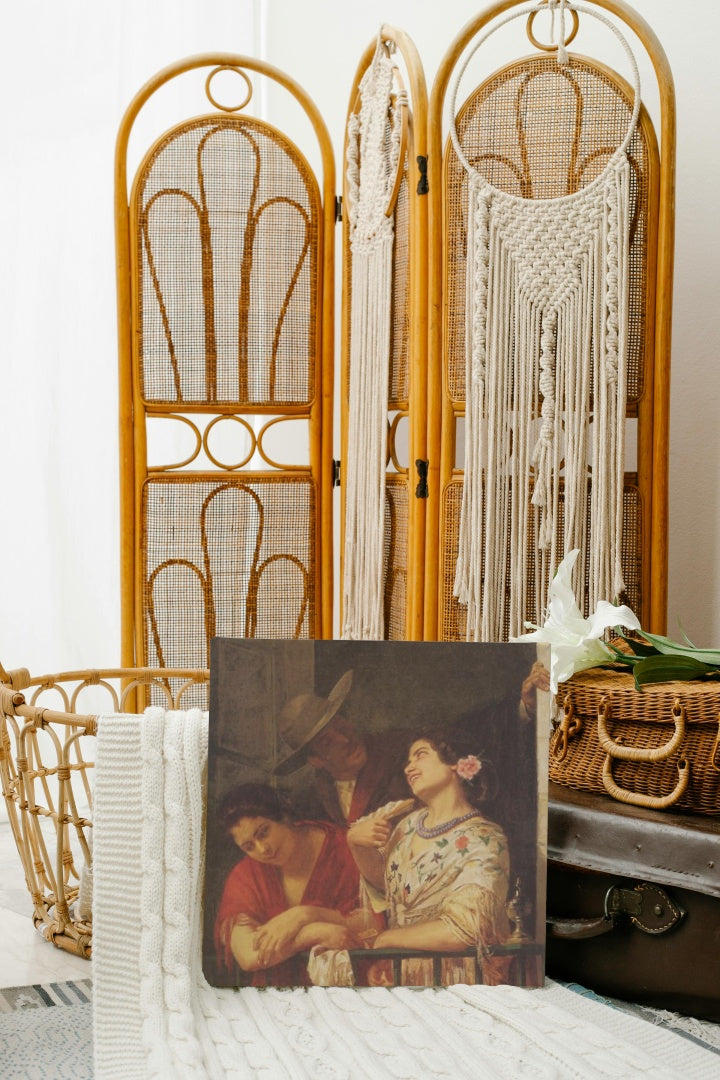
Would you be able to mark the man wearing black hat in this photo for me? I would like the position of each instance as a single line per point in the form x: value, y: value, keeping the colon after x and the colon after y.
x: 354, y: 773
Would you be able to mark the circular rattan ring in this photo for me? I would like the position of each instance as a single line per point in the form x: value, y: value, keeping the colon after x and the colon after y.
x: 238, y: 71
x: 216, y: 461
x: 551, y: 48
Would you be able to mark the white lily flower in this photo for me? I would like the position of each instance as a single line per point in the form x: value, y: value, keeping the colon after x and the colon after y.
x: 575, y: 641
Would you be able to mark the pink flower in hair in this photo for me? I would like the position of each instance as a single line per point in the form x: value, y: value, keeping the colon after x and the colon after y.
x: 468, y: 767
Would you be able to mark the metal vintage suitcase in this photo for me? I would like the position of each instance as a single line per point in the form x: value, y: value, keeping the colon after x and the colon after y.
x: 634, y: 902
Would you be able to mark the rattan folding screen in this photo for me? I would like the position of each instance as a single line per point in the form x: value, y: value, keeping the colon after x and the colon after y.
x: 225, y: 284
x: 225, y: 256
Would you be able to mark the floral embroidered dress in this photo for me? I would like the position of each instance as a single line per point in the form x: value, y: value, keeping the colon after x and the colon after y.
x: 460, y: 877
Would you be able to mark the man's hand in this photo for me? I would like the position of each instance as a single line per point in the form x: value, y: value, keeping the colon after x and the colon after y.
x: 538, y: 679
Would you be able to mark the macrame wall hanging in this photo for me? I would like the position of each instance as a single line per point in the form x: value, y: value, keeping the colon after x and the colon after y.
x: 546, y: 331
x: 374, y: 166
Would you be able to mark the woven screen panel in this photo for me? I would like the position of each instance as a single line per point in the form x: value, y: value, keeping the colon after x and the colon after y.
x: 453, y: 616
x: 233, y: 558
x: 540, y: 131
x: 396, y: 555
x: 399, y: 388
x: 226, y: 216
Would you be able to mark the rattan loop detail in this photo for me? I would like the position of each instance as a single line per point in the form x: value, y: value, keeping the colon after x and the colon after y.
x: 632, y: 753
x: 570, y: 726
x: 652, y: 802
x: 261, y: 448
x: 216, y: 461
x: 238, y: 71
x: 553, y: 46
x: 192, y: 456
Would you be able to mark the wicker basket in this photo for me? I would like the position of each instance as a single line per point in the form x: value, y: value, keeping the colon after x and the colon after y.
x: 46, y: 758
x: 658, y: 747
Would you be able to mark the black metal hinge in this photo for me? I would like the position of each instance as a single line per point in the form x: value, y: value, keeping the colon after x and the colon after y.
x: 422, y: 187
x: 338, y: 208
x: 336, y: 474
x: 421, y: 490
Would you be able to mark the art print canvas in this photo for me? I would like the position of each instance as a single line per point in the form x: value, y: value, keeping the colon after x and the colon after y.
x: 376, y: 813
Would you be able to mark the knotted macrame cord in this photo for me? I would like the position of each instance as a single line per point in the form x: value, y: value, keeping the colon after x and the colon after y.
x: 371, y: 165
x: 546, y: 317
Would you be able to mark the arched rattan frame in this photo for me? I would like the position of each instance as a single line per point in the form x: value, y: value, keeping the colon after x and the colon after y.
x: 316, y: 578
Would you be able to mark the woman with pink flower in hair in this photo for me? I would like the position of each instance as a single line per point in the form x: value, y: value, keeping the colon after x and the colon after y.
x: 441, y: 873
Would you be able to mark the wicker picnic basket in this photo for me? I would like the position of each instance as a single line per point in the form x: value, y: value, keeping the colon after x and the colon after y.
x: 658, y: 747
x: 46, y: 761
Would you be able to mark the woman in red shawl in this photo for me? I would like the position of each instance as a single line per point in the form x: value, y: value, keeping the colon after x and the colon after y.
x: 294, y: 888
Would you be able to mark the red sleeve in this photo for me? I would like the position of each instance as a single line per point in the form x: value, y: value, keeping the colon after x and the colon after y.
x: 245, y: 893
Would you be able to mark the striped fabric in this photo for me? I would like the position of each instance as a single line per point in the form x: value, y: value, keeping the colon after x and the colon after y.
x: 42, y: 995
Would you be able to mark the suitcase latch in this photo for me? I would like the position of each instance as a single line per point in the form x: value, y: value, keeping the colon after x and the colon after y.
x: 647, y: 906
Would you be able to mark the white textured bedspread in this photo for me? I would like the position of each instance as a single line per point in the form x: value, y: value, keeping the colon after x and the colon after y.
x: 155, y: 1015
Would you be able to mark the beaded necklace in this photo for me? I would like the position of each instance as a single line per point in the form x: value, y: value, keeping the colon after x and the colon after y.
x: 438, y: 830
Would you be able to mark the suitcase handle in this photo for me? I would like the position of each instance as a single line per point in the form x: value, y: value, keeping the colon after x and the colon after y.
x: 647, y: 905
x: 635, y: 753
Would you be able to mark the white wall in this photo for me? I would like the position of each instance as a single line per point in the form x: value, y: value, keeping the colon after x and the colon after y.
x: 67, y: 73
x: 69, y: 69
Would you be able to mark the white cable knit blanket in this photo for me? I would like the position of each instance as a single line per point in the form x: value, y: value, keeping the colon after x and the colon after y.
x: 155, y: 1015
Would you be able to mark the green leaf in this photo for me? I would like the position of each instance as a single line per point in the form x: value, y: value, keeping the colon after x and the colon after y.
x: 640, y: 648
x: 654, y: 669
x: 672, y: 648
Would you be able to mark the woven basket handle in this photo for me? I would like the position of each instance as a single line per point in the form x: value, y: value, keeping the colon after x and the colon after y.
x: 635, y: 753
x: 645, y: 756
x: 652, y: 802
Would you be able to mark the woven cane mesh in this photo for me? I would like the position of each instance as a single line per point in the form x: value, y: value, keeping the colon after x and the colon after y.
x: 226, y: 218
x: 234, y: 558
x: 539, y: 131
x: 396, y: 556
x: 399, y: 379
x: 453, y: 615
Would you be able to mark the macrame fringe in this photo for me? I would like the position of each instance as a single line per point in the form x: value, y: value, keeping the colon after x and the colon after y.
x: 372, y: 162
x: 548, y: 310
x: 546, y: 326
